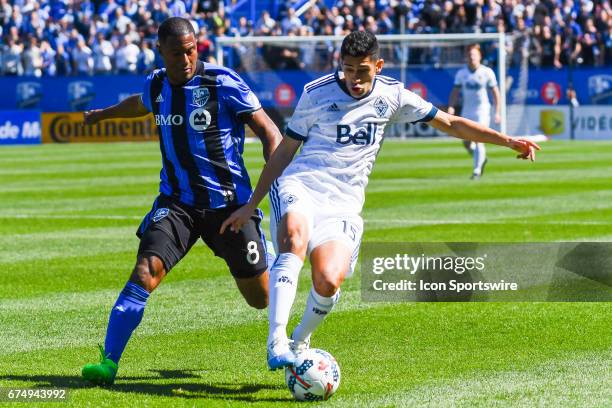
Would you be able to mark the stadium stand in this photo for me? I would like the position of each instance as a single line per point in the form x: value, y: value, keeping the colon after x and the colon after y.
x: 85, y: 37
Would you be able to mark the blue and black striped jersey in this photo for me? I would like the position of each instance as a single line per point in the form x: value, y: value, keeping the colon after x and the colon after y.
x: 201, y: 135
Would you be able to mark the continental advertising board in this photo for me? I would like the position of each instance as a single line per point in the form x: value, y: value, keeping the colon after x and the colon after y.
x: 69, y: 127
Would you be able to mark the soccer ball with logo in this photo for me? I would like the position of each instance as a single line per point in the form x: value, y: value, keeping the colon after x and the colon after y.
x: 315, y: 376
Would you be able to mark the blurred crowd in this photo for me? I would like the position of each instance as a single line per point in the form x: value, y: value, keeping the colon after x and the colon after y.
x: 86, y: 37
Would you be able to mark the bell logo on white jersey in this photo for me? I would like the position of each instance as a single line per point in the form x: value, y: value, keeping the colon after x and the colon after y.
x: 363, y: 137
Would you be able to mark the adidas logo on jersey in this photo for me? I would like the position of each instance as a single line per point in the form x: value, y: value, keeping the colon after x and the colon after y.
x: 160, y: 98
x: 333, y: 108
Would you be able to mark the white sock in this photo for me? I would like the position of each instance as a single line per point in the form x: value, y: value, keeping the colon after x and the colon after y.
x: 317, y: 307
x: 480, y: 154
x: 270, y: 254
x: 283, y: 286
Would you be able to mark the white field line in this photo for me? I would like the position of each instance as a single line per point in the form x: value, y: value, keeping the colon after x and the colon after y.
x: 73, y: 217
x: 374, y: 221
x: 478, y: 221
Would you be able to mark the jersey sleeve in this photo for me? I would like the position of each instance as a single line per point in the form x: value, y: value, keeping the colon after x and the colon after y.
x: 491, y: 80
x: 302, y: 119
x: 240, y: 98
x: 145, y: 96
x: 414, y: 109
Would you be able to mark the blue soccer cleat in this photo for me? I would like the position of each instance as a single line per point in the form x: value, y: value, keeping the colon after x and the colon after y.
x: 279, y: 354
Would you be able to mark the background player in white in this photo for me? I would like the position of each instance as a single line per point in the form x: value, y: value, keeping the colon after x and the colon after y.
x: 473, y: 81
x: 340, y: 120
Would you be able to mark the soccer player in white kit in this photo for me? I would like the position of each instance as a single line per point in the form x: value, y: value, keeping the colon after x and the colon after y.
x: 339, y: 121
x: 473, y: 81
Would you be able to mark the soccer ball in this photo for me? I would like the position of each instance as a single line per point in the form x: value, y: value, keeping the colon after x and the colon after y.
x: 315, y: 376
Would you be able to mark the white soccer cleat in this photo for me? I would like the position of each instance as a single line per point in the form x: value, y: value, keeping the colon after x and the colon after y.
x: 299, y: 346
x: 280, y: 354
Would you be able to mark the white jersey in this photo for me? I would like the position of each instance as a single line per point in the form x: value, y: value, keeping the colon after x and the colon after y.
x: 474, y: 85
x: 342, y: 136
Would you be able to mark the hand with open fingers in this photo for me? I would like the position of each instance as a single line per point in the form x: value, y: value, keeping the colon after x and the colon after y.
x: 525, y: 147
x: 238, y: 218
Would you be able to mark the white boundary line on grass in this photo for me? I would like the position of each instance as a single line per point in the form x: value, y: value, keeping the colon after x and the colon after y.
x: 442, y: 222
x: 381, y: 221
x: 71, y: 217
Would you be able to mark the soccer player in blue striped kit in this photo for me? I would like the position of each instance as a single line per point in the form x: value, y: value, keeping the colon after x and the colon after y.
x: 200, y: 110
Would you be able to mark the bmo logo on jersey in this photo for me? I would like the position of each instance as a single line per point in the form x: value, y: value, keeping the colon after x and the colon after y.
x: 200, y: 119
x: 348, y: 134
x: 168, y: 120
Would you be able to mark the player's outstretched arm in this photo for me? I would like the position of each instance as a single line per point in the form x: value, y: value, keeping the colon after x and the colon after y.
x: 469, y: 130
x: 273, y: 169
x: 130, y: 107
x: 265, y: 129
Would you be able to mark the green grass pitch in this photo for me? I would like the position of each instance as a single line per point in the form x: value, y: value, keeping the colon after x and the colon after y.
x: 68, y: 214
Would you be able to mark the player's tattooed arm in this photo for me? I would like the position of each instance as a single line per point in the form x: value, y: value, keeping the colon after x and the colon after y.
x: 130, y: 107
x: 265, y: 129
x: 469, y: 130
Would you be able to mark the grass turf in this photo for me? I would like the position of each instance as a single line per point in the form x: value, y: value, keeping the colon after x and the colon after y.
x: 68, y: 214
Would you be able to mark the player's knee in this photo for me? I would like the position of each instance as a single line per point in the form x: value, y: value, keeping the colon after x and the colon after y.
x: 148, y: 273
x: 327, y: 284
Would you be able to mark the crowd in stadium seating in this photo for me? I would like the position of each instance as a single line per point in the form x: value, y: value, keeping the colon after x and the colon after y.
x: 75, y: 37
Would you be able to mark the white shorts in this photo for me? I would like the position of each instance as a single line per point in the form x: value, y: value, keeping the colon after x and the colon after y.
x: 324, y: 223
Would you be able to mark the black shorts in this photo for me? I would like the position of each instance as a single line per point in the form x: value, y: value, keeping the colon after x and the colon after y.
x: 171, y: 228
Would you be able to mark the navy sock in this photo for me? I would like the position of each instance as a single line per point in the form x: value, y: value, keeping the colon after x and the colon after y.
x: 124, y: 318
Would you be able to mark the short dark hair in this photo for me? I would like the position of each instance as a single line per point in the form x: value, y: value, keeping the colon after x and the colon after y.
x: 174, y: 27
x: 360, y: 44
